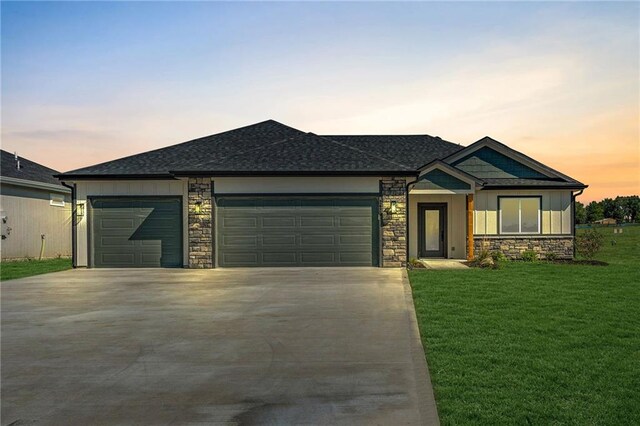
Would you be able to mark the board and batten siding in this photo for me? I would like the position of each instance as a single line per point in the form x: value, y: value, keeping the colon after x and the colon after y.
x: 556, y: 213
x: 29, y: 215
x: 456, y: 222
x: 87, y: 189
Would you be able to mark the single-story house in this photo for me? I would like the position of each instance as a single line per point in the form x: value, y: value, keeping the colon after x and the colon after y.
x: 35, y: 210
x: 271, y: 195
x: 606, y: 221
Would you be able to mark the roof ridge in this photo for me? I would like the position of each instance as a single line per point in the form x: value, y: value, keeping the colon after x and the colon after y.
x: 235, y: 154
x: 365, y: 152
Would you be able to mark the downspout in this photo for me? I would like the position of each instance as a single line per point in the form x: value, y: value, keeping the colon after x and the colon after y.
x: 407, y: 211
x: 74, y: 231
x: 573, y: 213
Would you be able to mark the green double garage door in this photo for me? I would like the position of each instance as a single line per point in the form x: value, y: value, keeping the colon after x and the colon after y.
x: 302, y: 231
x: 250, y: 231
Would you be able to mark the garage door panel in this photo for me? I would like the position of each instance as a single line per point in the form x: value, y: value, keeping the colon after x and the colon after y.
x: 298, y: 232
x: 317, y: 240
x: 353, y: 239
x: 278, y: 240
x: 317, y: 221
x: 280, y: 257
x: 354, y: 222
x: 356, y: 257
x: 278, y: 222
x: 136, y: 232
x: 119, y: 258
x: 317, y: 258
x: 240, y: 241
x: 239, y: 222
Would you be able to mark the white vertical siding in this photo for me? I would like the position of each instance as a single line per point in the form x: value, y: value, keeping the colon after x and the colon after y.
x: 28, y: 219
x: 555, y: 215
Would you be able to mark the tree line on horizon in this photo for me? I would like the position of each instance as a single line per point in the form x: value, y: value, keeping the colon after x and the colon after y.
x: 621, y: 208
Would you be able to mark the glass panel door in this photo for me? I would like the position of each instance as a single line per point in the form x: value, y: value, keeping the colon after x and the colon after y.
x: 432, y: 230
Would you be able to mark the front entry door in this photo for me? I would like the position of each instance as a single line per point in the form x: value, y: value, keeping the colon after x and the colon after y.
x: 432, y: 229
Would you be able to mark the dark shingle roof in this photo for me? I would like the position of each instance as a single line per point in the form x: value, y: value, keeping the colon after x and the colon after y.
x: 29, y: 170
x: 413, y: 150
x: 270, y: 147
x: 273, y: 147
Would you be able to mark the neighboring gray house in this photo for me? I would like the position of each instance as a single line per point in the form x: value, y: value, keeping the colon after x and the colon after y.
x: 271, y: 195
x: 35, y: 211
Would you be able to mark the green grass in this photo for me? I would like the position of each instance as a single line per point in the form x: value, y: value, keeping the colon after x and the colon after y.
x: 536, y: 343
x: 10, y: 270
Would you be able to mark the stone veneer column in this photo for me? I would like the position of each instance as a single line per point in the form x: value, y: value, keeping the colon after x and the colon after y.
x: 394, y: 225
x: 200, y: 223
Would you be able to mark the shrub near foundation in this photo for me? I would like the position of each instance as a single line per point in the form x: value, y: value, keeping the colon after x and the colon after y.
x: 589, y: 243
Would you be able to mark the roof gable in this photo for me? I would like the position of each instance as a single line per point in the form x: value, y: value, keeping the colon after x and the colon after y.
x: 489, y: 163
x: 498, y: 165
x: 437, y: 179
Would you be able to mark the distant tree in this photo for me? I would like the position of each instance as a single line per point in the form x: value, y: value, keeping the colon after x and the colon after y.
x: 594, y: 211
x: 581, y: 213
x: 613, y: 208
x: 631, y: 208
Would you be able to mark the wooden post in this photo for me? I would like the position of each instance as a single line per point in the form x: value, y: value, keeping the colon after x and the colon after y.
x: 470, y: 254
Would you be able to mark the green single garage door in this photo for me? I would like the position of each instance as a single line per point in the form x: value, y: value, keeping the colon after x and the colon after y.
x: 302, y: 231
x: 136, y: 232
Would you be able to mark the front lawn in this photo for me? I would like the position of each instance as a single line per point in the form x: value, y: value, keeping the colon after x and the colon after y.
x: 10, y: 270
x: 536, y: 343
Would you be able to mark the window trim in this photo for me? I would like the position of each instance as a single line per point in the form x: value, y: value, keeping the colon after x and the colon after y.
x: 519, y: 197
x: 55, y: 203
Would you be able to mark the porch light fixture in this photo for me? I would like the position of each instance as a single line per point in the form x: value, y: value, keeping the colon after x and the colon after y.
x: 394, y: 206
x: 198, y: 207
x: 80, y: 209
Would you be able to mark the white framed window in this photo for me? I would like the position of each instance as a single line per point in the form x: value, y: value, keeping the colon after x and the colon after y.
x: 520, y: 215
x: 56, y: 200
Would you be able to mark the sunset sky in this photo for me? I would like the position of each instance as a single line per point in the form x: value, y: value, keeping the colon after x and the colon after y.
x: 87, y: 82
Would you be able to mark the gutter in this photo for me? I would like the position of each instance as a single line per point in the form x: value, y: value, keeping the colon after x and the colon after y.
x: 71, y: 176
x: 74, y: 230
x: 33, y: 184
x: 258, y: 173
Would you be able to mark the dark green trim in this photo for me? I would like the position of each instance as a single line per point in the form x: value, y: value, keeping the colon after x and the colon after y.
x: 300, y: 194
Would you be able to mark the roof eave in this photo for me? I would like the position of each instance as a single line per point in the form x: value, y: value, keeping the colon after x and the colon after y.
x: 241, y: 173
x: 114, y: 176
x: 568, y: 186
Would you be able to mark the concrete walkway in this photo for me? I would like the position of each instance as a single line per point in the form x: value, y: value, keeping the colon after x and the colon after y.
x: 234, y: 346
x: 443, y: 264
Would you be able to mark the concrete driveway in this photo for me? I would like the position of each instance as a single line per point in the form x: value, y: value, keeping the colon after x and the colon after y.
x: 227, y: 346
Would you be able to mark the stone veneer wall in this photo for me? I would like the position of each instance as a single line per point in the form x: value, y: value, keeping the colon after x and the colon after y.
x: 394, y: 226
x: 513, y: 246
x: 200, y: 224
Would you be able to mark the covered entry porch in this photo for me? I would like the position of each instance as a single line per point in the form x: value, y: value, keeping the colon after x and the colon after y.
x: 441, y: 213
